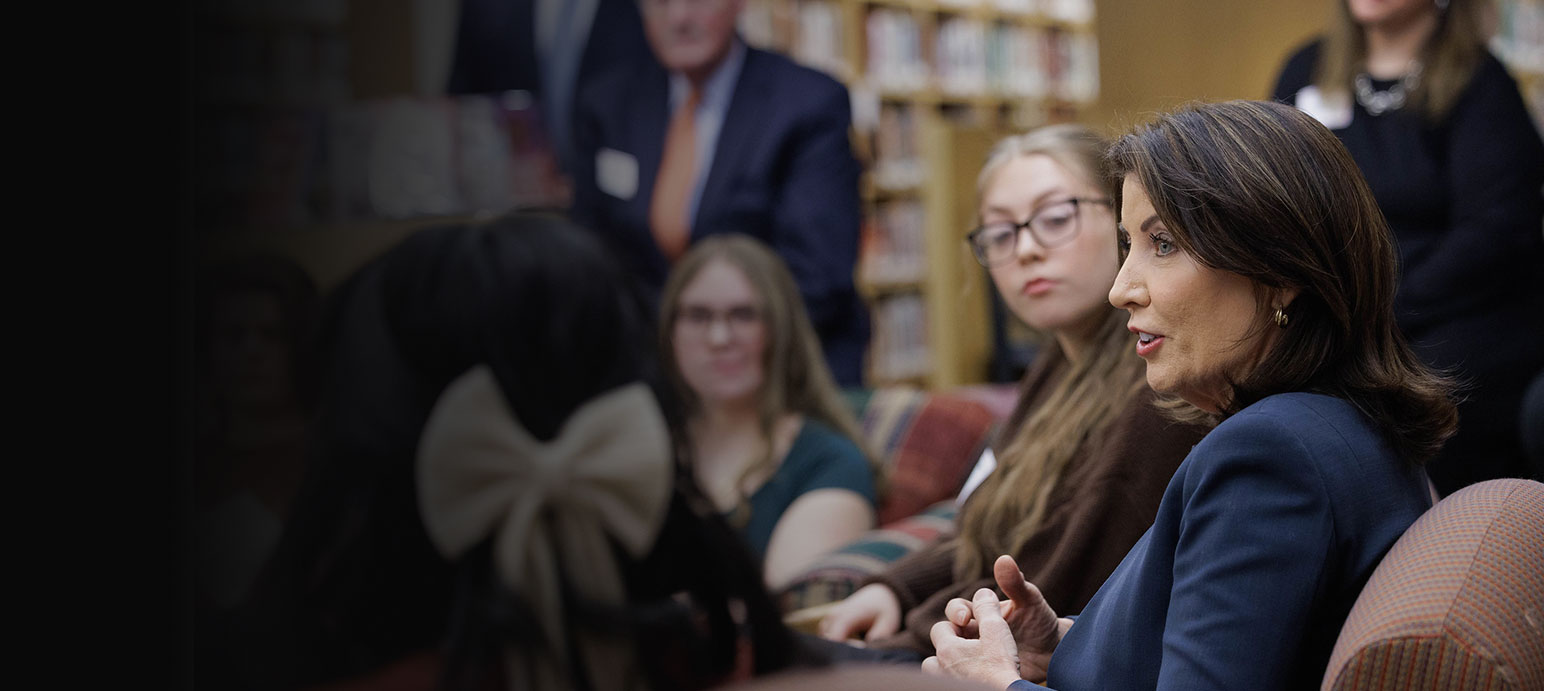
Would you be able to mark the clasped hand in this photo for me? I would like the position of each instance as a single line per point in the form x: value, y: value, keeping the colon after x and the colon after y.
x: 997, y: 641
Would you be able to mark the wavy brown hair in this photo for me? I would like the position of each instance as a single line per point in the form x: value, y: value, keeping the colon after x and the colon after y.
x: 1010, y: 505
x: 1448, y: 59
x: 1264, y: 191
x: 796, y: 376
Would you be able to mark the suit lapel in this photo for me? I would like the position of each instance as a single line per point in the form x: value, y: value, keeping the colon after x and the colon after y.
x: 740, y: 129
x: 651, y: 98
x: 648, y: 115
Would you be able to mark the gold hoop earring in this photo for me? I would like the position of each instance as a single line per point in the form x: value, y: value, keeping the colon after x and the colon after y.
x: 1281, y: 318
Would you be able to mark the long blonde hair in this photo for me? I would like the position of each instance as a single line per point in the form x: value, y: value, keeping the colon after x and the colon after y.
x: 797, y: 378
x: 1448, y: 59
x: 1007, y: 509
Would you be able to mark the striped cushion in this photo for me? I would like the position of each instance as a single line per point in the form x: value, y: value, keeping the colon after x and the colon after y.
x: 928, y: 441
x: 1458, y: 602
x: 836, y: 575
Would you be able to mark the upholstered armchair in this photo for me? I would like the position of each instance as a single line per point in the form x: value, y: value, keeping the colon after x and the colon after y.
x: 1458, y: 602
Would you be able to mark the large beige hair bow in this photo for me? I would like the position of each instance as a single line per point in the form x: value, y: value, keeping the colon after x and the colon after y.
x: 552, y: 509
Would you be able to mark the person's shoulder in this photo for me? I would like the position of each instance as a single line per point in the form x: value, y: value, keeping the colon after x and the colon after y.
x: 1306, y: 54
x: 791, y: 78
x: 822, y: 457
x: 1490, y: 67
x: 1297, y: 403
x: 1297, y: 429
x: 819, y: 436
x: 1298, y: 412
x: 1490, y: 82
x: 1297, y: 71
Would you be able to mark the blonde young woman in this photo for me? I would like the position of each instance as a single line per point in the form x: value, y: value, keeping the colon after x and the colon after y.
x: 772, y: 443
x: 1085, y: 456
x: 1436, y: 125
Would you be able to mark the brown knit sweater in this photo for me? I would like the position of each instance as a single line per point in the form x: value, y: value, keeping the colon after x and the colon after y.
x: 1106, y: 499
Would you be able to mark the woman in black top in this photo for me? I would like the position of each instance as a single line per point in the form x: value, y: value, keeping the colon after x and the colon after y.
x: 1440, y: 132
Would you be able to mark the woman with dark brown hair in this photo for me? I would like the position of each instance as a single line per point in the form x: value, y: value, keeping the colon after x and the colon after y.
x: 1078, y: 469
x: 1438, y: 128
x: 1259, y: 278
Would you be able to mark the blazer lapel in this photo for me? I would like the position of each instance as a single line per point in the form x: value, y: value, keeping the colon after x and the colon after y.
x: 648, y: 114
x: 735, y: 138
x: 651, y: 99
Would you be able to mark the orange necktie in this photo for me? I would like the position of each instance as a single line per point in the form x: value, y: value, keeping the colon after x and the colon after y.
x: 669, y: 209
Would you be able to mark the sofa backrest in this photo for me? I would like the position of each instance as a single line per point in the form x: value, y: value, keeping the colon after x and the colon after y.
x: 1458, y: 602
x: 927, y: 442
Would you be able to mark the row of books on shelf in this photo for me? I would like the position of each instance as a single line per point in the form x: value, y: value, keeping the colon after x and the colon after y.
x: 759, y: 15
x: 969, y: 55
x: 898, y: 347
x: 975, y: 57
x: 1519, y: 42
x: 397, y: 158
x: 898, y: 161
x: 894, y: 244
x: 809, y: 32
x: 1519, y: 37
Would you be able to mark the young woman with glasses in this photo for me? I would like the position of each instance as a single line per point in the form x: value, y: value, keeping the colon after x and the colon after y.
x: 1082, y: 461
x: 770, y: 439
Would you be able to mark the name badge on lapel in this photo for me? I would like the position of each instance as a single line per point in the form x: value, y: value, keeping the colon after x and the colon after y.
x: 616, y: 173
x: 1333, y: 111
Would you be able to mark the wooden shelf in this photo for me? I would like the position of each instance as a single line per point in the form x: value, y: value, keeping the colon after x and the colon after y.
x: 947, y: 135
x: 918, y: 380
x: 983, y: 11
x: 881, y: 193
x: 882, y: 288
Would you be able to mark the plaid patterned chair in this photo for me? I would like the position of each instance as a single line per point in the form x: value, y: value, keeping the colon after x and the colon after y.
x: 1458, y: 602
x: 928, y: 443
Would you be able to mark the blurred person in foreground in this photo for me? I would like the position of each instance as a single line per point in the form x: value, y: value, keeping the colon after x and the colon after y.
x: 256, y: 313
x: 494, y: 499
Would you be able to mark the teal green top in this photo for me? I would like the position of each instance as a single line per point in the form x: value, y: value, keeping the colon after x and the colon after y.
x: 819, y: 458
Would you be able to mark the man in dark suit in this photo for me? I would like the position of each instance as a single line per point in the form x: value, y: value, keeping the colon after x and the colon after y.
x: 550, y: 48
x: 718, y: 137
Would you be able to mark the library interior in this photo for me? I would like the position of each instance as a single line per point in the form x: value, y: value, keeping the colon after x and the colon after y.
x: 343, y: 147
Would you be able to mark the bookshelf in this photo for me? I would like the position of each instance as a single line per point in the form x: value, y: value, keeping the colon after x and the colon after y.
x: 321, y: 132
x: 934, y: 84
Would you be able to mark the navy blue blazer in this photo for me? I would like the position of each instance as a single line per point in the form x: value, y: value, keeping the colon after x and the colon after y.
x: 783, y: 172
x: 1263, y: 540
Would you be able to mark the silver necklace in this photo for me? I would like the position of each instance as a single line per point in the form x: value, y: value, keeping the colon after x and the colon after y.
x: 1380, y: 102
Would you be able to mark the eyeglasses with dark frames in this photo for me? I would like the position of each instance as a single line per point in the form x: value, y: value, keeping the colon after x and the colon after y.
x: 698, y: 320
x: 1054, y: 224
